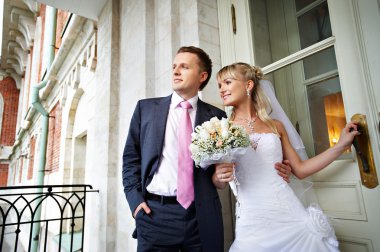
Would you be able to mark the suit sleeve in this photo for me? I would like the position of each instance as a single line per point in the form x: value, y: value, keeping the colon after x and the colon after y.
x: 220, y: 113
x: 132, y: 162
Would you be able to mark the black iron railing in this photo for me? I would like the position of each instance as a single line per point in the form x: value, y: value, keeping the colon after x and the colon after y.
x: 42, y: 218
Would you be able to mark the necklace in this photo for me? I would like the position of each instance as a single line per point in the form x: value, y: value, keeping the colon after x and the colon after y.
x: 250, y: 122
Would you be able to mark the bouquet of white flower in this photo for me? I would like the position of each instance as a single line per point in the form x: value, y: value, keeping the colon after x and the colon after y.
x: 218, y: 141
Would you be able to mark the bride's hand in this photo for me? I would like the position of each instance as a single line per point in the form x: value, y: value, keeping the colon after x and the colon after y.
x: 223, y: 174
x: 347, y: 135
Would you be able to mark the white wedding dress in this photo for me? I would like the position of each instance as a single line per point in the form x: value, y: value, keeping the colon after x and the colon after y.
x: 269, y: 216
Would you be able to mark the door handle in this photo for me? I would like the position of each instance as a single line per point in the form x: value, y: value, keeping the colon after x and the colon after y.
x: 364, y: 153
x: 359, y: 151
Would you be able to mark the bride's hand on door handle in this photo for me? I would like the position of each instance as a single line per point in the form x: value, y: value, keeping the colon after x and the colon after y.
x: 360, y: 153
x: 348, y: 134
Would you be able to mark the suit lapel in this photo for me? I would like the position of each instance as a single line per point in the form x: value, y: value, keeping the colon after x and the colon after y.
x: 161, y: 111
x: 161, y: 116
x: 203, y: 113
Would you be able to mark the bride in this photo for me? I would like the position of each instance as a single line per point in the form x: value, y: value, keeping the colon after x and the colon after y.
x: 269, y: 216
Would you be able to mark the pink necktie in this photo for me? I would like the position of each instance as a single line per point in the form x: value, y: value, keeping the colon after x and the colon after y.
x: 185, y: 181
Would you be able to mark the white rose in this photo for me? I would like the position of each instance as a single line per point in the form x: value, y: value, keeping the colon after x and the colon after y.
x: 193, y: 135
x: 207, y: 126
x: 194, y: 148
x: 214, y: 119
x: 204, y: 135
x: 224, y: 122
x: 224, y: 127
x: 225, y: 133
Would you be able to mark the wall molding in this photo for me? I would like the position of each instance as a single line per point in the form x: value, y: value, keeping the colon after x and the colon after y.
x: 354, y: 242
x: 334, y: 206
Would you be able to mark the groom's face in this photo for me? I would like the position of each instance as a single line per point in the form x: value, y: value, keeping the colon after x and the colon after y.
x: 187, y: 75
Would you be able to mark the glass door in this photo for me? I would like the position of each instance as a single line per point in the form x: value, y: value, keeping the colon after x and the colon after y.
x: 310, y: 51
x: 309, y: 89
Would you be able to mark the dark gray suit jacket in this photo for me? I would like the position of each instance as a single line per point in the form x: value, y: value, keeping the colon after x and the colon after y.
x: 141, y: 158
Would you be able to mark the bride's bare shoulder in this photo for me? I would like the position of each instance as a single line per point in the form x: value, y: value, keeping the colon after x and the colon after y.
x: 280, y: 127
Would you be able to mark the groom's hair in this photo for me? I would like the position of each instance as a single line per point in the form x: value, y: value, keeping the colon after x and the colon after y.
x: 205, y: 62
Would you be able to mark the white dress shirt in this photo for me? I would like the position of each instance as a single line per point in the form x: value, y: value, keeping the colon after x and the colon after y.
x: 164, y: 180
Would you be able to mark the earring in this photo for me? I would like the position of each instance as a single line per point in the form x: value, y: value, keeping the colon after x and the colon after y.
x: 248, y: 94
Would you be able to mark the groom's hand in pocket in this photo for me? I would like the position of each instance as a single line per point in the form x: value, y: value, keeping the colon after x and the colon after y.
x: 284, y: 170
x: 144, y: 207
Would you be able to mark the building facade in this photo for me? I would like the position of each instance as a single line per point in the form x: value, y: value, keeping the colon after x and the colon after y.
x: 321, y: 56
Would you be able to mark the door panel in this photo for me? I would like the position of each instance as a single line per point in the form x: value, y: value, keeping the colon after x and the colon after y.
x: 322, y: 58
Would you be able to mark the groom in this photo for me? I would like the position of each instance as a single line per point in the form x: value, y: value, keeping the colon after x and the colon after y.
x: 151, y: 166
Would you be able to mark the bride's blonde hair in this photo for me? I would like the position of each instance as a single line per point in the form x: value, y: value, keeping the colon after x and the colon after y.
x: 261, y: 102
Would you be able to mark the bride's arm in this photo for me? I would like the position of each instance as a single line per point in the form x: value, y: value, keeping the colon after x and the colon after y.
x: 302, y: 169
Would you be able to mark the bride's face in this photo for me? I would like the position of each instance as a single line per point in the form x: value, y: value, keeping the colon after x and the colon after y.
x: 232, y: 91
